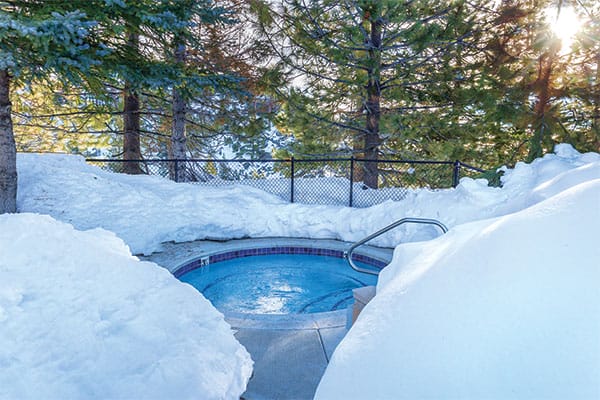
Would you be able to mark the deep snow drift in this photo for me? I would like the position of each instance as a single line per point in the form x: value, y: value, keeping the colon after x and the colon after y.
x: 145, y: 210
x: 504, y: 305
x: 81, y: 318
x: 506, y: 308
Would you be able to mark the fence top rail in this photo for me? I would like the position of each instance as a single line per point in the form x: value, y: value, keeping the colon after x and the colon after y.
x: 298, y: 160
x: 183, y: 160
x: 462, y: 164
x: 373, y: 160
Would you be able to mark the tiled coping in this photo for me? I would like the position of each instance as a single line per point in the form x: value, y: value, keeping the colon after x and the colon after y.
x: 263, y: 251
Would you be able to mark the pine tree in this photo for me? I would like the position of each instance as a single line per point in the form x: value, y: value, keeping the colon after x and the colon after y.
x: 8, y: 152
x: 580, y: 115
x: 81, y: 42
x: 369, y: 69
x: 51, y: 116
x: 226, y: 106
x: 37, y: 38
x: 218, y: 87
x: 542, y: 91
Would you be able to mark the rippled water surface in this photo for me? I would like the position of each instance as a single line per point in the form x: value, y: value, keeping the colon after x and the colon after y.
x: 279, y: 284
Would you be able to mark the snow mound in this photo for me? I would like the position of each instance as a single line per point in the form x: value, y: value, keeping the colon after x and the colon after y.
x: 501, y: 308
x: 81, y: 317
x: 143, y: 210
x: 146, y: 211
x: 505, y: 305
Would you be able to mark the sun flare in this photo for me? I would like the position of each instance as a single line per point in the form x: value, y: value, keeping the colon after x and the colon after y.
x: 565, y: 24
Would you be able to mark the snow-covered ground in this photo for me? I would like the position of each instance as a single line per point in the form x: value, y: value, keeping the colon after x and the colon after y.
x: 81, y: 318
x: 146, y: 211
x: 503, y: 308
x: 506, y: 305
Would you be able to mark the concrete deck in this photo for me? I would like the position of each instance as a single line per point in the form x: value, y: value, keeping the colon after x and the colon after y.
x: 289, y: 363
x: 290, y: 352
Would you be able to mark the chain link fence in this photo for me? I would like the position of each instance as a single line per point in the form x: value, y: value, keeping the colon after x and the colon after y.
x: 310, y: 181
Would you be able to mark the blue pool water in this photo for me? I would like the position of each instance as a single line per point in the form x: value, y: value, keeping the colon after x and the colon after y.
x: 279, y: 284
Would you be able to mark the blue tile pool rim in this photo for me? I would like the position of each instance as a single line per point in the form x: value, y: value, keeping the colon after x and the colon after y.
x: 273, y: 250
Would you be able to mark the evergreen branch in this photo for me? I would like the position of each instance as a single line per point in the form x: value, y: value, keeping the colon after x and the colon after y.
x: 65, y: 114
x: 416, y: 108
x: 326, y: 120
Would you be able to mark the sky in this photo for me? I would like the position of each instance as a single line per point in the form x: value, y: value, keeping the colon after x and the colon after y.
x: 506, y: 304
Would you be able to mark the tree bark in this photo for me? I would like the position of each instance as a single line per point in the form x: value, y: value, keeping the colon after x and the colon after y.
x: 178, y: 135
x: 596, y: 101
x: 8, y: 150
x: 131, y: 121
x: 543, y: 87
x: 373, y: 106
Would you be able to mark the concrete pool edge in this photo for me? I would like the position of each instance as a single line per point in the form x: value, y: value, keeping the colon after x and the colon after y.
x: 174, y: 256
x: 328, y: 319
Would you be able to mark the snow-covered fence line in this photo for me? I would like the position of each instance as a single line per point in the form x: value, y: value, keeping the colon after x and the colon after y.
x: 333, y: 181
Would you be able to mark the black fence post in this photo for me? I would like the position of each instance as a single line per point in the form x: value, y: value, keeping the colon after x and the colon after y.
x: 351, y: 180
x: 456, y: 174
x: 203, y: 174
x: 292, y: 182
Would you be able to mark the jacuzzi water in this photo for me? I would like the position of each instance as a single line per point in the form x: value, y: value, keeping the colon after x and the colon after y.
x: 279, y: 284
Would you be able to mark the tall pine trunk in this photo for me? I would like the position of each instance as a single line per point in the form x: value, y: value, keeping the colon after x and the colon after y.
x: 131, y: 120
x: 373, y: 107
x: 543, y: 87
x: 178, y: 135
x: 596, y: 102
x: 8, y: 150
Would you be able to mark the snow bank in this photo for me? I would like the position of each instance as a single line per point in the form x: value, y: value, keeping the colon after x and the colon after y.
x: 145, y: 211
x: 501, y: 308
x: 506, y: 305
x: 82, y: 318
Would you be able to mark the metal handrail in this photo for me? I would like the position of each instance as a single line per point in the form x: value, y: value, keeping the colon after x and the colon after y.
x: 348, y: 253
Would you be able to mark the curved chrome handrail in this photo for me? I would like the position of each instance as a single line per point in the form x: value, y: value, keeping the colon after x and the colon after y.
x: 348, y: 253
